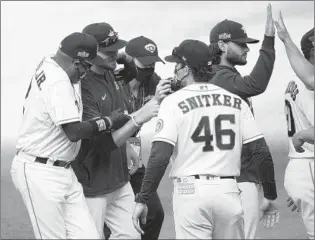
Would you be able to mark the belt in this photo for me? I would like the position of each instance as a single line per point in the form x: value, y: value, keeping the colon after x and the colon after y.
x: 208, y: 177
x: 56, y: 163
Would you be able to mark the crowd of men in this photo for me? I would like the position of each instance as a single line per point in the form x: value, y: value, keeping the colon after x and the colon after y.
x: 96, y: 140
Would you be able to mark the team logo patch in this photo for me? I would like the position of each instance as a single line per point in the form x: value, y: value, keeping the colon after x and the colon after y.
x: 101, y: 125
x: 150, y: 47
x: 224, y: 36
x: 159, y: 126
x: 244, y: 30
x: 83, y: 54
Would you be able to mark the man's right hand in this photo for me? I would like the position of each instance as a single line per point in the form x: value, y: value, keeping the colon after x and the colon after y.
x: 282, y: 31
x: 118, y: 119
x: 270, y: 28
x: 163, y: 89
x: 148, y: 111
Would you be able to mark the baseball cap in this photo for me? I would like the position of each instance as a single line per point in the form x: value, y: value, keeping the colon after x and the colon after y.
x: 306, y: 41
x: 230, y: 31
x: 193, y: 53
x: 105, y: 36
x: 144, y: 49
x: 81, y: 46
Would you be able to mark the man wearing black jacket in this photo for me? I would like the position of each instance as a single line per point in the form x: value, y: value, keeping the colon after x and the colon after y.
x: 228, y: 42
x: 102, y: 170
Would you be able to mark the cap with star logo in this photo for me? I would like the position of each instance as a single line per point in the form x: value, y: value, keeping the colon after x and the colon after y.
x: 144, y: 50
x: 228, y: 30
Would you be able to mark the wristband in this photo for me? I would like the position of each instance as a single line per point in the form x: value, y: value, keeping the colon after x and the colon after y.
x: 134, y: 122
x: 100, y: 125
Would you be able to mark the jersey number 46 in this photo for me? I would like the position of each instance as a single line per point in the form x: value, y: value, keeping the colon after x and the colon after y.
x: 207, y: 138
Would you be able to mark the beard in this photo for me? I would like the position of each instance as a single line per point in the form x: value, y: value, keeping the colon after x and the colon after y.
x: 236, y: 59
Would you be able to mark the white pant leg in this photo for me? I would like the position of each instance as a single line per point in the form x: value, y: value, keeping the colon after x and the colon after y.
x: 119, y: 214
x: 299, y: 184
x: 212, y: 211
x: 43, y: 189
x: 98, y: 206
x: 250, y: 202
x: 79, y: 221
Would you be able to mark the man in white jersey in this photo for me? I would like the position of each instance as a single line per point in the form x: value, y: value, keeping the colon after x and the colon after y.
x: 202, y: 127
x: 299, y: 175
x: 49, y: 140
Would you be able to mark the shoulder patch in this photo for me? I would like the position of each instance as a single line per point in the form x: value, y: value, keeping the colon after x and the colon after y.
x: 159, y: 126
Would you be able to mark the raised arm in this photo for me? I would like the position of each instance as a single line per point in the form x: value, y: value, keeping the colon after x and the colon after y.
x: 302, y: 68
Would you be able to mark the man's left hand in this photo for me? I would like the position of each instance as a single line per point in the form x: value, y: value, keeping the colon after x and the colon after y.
x: 139, y: 215
x: 269, y: 213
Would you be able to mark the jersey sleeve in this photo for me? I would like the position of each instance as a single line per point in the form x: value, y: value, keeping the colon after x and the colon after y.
x: 62, y: 105
x: 166, y: 125
x: 306, y: 101
x: 250, y: 130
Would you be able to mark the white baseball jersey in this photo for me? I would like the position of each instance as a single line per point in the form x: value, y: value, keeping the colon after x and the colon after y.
x: 207, y: 126
x: 299, y: 110
x: 51, y: 101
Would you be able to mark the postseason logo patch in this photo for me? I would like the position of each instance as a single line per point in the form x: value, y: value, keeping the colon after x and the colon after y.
x: 159, y: 126
x: 101, y: 125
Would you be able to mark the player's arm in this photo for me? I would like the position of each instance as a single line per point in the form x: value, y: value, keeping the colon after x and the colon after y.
x: 162, y: 149
x: 257, y: 81
x: 306, y: 135
x: 302, y: 68
x: 259, y: 152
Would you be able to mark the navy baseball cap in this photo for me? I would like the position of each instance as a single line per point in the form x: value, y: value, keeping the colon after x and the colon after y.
x: 307, y: 41
x: 81, y: 46
x: 193, y: 53
x: 143, y: 49
x: 105, y: 36
x: 228, y: 30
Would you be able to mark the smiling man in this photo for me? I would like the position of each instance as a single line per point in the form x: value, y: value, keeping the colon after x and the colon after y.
x: 229, y: 44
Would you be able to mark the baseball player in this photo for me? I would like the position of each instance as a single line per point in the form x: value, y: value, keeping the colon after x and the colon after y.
x: 202, y: 127
x: 229, y: 44
x: 299, y: 109
x: 49, y: 140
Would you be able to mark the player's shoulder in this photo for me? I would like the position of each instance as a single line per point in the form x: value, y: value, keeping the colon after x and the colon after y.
x: 50, y: 72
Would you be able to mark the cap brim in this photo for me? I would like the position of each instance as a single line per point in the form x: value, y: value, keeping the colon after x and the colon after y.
x: 148, y: 60
x: 172, y: 59
x: 245, y: 40
x: 98, y: 61
x: 114, y: 47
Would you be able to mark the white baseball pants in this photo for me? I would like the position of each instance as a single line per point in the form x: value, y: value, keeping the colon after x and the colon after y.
x: 250, y: 202
x: 54, y: 199
x: 116, y: 210
x: 207, y: 209
x: 299, y: 184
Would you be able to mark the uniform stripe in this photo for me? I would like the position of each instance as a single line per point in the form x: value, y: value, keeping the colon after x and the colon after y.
x: 29, y: 194
x: 163, y: 140
x: 67, y: 120
x: 312, y: 176
x: 253, y: 138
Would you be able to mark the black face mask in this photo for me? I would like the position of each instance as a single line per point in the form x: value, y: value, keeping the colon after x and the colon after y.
x: 144, y: 74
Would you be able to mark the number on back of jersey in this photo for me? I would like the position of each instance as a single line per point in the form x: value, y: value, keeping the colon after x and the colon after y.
x: 204, y: 128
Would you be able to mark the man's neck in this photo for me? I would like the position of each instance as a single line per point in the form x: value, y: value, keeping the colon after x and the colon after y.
x: 226, y: 63
x: 134, y: 84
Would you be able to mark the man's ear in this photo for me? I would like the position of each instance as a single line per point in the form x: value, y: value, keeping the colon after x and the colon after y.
x: 222, y: 45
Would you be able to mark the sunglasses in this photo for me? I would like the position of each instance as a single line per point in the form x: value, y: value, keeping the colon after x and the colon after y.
x: 112, y: 38
x: 181, y: 57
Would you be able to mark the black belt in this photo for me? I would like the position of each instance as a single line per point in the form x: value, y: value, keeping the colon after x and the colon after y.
x: 209, y: 176
x: 57, y: 163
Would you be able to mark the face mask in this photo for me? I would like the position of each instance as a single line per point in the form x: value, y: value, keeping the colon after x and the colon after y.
x: 144, y: 74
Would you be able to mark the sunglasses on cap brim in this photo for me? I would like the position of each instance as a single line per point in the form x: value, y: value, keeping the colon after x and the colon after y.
x: 176, y: 54
x: 111, y: 39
